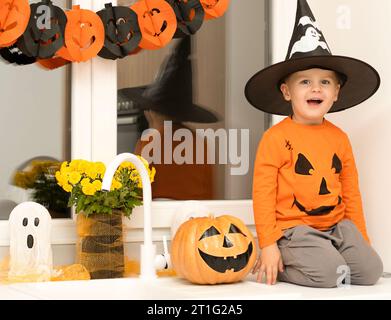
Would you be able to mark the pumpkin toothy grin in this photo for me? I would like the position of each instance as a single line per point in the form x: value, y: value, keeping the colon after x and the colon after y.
x: 222, y: 264
x: 323, y: 210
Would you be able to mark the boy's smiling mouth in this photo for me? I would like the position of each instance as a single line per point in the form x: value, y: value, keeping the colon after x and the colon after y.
x: 314, y: 102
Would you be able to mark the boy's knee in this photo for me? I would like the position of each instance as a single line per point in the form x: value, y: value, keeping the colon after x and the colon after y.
x: 330, y: 273
x: 369, y: 271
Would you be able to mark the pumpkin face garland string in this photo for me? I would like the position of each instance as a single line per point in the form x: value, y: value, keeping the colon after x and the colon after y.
x: 214, y: 8
x: 84, y: 35
x: 43, y: 40
x: 190, y: 16
x: 157, y: 22
x: 78, y: 35
x: 122, y: 31
x: 14, y: 17
x: 12, y: 54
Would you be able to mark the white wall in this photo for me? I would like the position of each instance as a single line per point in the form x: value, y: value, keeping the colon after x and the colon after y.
x: 357, y: 28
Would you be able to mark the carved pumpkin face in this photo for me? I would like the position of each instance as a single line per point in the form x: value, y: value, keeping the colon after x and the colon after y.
x: 316, y: 184
x: 214, y: 8
x: 122, y: 31
x: 157, y: 22
x: 209, y: 250
x: 84, y: 35
x: 14, y: 17
x: 39, y: 41
x: 190, y: 16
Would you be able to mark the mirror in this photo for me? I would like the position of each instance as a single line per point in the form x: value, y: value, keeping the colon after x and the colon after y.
x: 223, y: 59
x: 35, y: 134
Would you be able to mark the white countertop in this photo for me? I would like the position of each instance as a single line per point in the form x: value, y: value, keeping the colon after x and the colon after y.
x: 173, y: 288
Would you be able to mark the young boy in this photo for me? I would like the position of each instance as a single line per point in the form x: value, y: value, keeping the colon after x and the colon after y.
x: 307, y: 204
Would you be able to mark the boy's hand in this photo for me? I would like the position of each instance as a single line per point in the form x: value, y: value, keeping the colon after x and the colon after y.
x: 269, y: 262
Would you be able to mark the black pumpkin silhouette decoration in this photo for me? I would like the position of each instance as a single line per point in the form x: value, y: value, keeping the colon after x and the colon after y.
x: 39, y: 41
x: 190, y: 16
x: 12, y: 54
x: 122, y: 31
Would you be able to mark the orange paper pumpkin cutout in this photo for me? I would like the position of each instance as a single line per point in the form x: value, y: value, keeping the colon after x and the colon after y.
x: 157, y: 22
x: 84, y: 35
x: 14, y: 18
x: 214, y: 8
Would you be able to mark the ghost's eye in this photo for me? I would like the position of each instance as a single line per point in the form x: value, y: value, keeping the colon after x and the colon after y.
x: 36, y: 222
x: 25, y: 222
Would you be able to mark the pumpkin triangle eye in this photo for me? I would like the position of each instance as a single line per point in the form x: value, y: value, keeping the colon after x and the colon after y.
x: 212, y: 231
x: 337, y: 164
x: 235, y: 229
x: 303, y: 166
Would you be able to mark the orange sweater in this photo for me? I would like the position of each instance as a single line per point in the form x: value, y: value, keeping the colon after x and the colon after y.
x: 304, y: 174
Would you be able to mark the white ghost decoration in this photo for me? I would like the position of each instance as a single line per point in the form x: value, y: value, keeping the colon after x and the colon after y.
x: 309, y: 42
x: 30, y: 243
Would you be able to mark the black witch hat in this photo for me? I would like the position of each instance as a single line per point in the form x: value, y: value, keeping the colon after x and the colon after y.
x: 308, y: 49
x: 171, y: 93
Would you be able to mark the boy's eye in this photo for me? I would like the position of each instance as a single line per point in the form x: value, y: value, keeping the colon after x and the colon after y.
x: 325, y: 82
x: 305, y: 81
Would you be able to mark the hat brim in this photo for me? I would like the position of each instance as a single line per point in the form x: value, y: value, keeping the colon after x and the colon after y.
x: 186, y: 113
x: 263, y: 92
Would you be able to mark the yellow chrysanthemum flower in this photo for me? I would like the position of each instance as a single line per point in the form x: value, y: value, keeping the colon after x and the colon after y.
x: 97, y: 185
x: 74, y: 177
x: 127, y: 165
x: 67, y: 187
x: 88, y: 189
x: 91, y: 171
x: 115, y: 185
x: 85, y: 182
x: 59, y: 178
x: 100, y: 168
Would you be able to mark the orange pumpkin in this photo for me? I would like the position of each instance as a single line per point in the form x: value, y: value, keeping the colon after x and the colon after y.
x: 157, y: 22
x: 214, y: 8
x: 84, y: 35
x: 208, y: 250
x: 14, y: 18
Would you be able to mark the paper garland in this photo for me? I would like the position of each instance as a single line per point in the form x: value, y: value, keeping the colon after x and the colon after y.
x: 111, y: 33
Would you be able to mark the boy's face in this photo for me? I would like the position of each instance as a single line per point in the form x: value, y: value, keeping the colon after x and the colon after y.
x: 312, y: 93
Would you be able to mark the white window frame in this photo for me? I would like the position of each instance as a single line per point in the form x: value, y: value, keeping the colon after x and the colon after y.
x: 94, y: 138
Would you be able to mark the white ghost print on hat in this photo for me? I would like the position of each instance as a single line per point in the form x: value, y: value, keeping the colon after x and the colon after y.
x: 310, y: 40
x: 30, y: 243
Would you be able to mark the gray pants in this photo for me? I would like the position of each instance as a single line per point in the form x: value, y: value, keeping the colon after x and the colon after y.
x: 326, y: 259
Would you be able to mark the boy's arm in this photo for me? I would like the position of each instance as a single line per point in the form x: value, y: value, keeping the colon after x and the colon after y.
x: 267, y: 163
x: 350, y: 190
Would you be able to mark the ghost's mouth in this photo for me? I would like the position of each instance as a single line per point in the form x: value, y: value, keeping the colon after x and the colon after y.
x: 318, y: 211
x: 222, y: 264
x: 314, y: 102
x: 30, y: 241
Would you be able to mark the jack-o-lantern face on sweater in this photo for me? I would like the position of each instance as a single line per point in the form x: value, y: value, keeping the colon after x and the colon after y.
x: 317, y: 185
